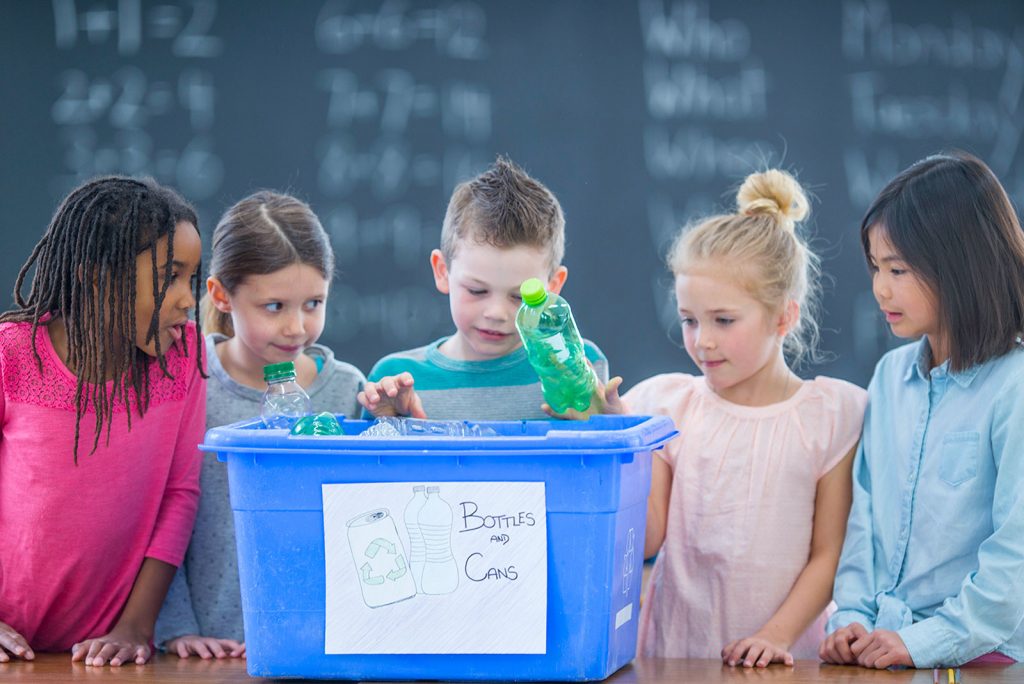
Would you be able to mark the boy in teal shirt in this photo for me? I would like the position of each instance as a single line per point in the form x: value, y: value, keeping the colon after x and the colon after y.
x: 501, y: 228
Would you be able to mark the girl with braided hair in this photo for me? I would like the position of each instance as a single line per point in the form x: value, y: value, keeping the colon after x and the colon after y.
x: 101, y: 411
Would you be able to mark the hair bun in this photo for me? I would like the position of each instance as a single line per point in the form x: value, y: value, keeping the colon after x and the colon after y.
x: 776, y: 193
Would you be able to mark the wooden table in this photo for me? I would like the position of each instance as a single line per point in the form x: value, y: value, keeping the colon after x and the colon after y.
x: 53, y: 668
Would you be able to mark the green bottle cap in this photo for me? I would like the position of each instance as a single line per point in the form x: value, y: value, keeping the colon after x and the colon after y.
x: 278, y: 371
x: 533, y: 292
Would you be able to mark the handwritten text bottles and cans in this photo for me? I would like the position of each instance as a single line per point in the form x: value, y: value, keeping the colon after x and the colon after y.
x: 554, y: 347
x: 430, y: 518
x: 284, y: 401
x: 380, y: 559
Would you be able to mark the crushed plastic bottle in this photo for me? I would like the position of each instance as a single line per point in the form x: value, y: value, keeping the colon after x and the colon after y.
x: 322, y: 424
x: 391, y: 426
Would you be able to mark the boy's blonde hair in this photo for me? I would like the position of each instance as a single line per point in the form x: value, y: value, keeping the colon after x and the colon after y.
x: 505, y: 207
x: 760, y: 245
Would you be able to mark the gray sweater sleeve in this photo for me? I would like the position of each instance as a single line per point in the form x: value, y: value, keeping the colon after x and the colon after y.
x: 177, y: 618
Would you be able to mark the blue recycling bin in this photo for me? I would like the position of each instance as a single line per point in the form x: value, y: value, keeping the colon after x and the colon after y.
x: 596, y: 477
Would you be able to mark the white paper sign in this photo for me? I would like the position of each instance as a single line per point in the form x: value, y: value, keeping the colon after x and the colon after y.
x: 435, y: 567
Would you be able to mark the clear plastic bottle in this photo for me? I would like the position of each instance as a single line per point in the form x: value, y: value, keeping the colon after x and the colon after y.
x: 284, y: 402
x: 392, y: 426
x: 417, y: 550
x: 555, y: 348
x: 440, y: 571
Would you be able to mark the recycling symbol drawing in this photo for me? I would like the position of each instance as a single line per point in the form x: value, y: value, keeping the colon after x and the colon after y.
x: 374, y: 548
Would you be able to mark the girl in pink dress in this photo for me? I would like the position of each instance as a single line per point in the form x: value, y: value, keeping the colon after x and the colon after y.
x: 748, y: 505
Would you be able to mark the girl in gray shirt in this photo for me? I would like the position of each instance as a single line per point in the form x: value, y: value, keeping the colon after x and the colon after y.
x: 269, y: 279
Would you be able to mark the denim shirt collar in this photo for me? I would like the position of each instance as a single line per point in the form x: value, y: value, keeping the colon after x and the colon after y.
x: 922, y: 358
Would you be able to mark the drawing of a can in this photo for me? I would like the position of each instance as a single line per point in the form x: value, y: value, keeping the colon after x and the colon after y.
x: 382, y: 565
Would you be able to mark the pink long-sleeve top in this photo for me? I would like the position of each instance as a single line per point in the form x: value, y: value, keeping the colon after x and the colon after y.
x: 74, y: 537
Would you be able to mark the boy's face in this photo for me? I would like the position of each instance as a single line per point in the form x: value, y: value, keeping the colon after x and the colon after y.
x: 483, y: 282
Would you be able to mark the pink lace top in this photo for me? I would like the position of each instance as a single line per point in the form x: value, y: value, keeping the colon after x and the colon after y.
x: 75, y: 536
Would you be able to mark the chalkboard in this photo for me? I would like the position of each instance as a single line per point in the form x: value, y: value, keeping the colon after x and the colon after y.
x: 638, y: 115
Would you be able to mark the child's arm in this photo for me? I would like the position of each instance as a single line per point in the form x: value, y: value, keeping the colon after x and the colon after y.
x: 177, y: 616
x: 129, y: 639
x: 854, y: 587
x: 10, y: 640
x: 812, y: 590
x: 392, y: 395
x: 177, y: 628
x: 657, y: 505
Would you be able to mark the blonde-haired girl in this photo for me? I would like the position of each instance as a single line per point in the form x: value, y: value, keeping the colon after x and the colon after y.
x: 748, y: 506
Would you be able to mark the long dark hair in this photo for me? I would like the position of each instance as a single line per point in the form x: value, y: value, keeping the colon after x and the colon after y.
x: 85, y: 273
x: 949, y: 218
x: 261, y: 234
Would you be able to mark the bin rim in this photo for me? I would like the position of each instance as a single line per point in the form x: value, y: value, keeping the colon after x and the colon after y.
x: 646, y: 433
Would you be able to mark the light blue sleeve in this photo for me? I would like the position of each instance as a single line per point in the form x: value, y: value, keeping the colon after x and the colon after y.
x: 990, y: 604
x: 854, y: 589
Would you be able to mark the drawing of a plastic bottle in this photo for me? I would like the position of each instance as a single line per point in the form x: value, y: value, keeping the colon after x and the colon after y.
x: 440, y: 572
x: 417, y: 550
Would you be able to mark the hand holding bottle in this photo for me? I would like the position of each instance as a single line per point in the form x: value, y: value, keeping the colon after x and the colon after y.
x: 604, y: 401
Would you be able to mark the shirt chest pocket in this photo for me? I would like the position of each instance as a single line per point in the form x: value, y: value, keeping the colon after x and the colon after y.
x: 958, y: 456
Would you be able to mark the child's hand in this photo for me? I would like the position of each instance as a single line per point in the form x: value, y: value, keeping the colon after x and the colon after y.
x: 12, y: 643
x: 835, y: 648
x: 881, y: 649
x: 205, y: 647
x: 123, y: 645
x: 605, y: 400
x: 392, y: 396
x: 755, y: 651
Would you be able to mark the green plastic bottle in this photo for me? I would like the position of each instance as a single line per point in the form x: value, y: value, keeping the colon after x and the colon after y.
x: 554, y: 347
x: 321, y: 424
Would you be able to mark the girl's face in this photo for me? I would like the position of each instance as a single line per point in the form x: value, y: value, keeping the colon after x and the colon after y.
x: 180, y: 297
x: 729, y: 335
x: 909, y: 305
x: 275, y: 315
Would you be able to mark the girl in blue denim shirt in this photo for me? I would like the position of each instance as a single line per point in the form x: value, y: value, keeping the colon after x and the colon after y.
x: 932, y: 568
